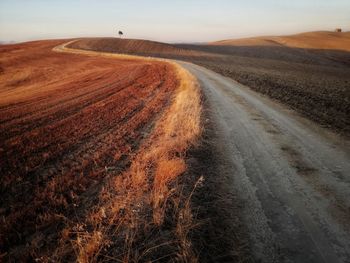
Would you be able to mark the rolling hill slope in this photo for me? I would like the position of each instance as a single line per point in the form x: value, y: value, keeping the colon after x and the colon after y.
x: 134, y: 46
x: 309, y: 40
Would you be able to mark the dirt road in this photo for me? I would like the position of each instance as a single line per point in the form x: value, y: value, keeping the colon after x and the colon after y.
x: 292, y: 177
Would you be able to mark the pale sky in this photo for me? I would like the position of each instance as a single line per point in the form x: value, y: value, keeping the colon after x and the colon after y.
x: 169, y: 21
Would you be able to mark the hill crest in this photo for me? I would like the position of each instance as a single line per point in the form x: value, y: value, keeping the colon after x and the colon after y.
x: 309, y: 40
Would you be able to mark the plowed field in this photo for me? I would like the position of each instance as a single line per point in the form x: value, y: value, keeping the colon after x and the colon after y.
x: 67, y: 123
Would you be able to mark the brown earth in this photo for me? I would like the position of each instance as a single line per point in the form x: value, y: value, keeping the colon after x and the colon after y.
x: 134, y: 46
x: 314, y: 82
x: 310, y: 72
x: 84, y: 141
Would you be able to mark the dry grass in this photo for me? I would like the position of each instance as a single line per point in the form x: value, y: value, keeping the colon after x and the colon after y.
x: 309, y: 40
x: 142, y: 213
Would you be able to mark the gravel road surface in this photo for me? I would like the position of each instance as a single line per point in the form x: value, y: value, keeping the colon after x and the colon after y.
x: 292, y: 176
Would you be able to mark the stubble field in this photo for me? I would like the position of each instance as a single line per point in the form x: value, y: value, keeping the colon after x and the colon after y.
x: 86, y: 160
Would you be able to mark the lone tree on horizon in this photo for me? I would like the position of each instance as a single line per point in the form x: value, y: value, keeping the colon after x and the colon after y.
x: 120, y: 33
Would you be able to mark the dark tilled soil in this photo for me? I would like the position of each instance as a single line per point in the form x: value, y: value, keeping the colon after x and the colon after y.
x: 134, y: 46
x: 314, y: 82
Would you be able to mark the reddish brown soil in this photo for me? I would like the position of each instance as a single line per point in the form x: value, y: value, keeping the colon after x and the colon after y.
x: 66, y: 122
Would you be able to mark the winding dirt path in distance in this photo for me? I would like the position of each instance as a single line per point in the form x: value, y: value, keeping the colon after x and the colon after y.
x: 292, y: 176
